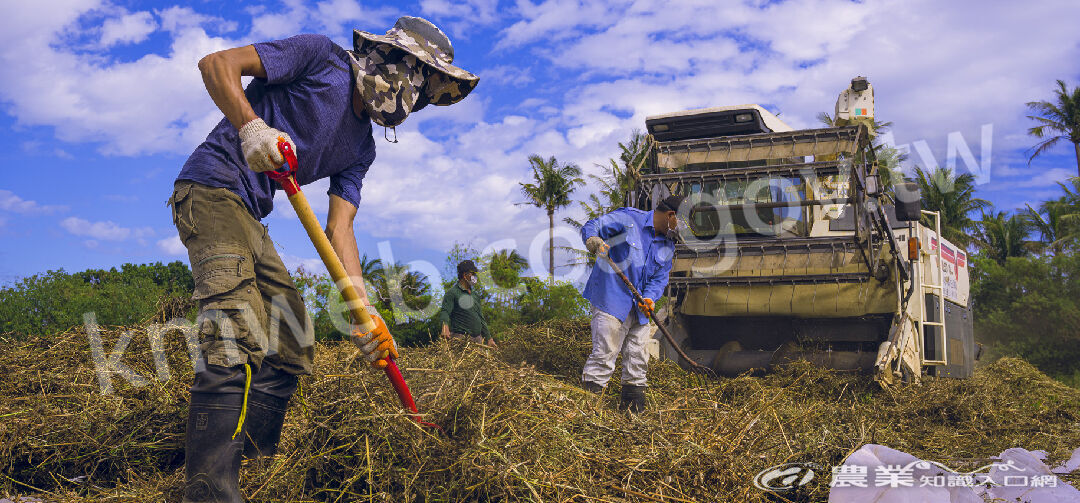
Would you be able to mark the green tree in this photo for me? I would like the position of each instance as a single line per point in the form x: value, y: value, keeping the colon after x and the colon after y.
x: 1057, y: 120
x: 371, y: 268
x: 402, y: 292
x: 632, y: 156
x: 457, y: 254
x: 1056, y: 223
x: 506, y: 267
x: 542, y: 302
x: 616, y: 180
x: 1072, y: 194
x: 613, y: 191
x: 320, y: 296
x: 1000, y: 236
x: 406, y: 303
x: 1030, y: 307
x: 888, y: 157
x: 611, y: 196
x: 615, y: 184
x: 553, y: 182
x: 397, y: 293
x: 135, y: 293
x: 954, y: 198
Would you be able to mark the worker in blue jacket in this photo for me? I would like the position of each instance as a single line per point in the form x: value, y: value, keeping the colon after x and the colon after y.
x: 642, y: 245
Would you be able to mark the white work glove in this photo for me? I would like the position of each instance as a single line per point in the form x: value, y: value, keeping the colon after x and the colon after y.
x: 596, y: 245
x: 376, y: 345
x: 259, y: 143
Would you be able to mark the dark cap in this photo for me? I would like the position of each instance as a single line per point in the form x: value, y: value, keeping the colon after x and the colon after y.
x: 670, y: 203
x: 465, y: 267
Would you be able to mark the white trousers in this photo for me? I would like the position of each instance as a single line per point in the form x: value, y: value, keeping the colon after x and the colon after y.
x: 610, y: 336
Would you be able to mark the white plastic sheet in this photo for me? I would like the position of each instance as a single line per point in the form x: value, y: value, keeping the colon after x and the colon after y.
x: 878, y: 474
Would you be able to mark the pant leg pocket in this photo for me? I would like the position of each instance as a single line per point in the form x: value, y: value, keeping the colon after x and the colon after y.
x: 183, y: 214
x: 232, y: 319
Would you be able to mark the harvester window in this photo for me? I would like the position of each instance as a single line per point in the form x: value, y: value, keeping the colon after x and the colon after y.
x: 729, y: 208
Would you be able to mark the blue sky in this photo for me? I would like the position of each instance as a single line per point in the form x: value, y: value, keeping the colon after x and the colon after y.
x: 101, y: 102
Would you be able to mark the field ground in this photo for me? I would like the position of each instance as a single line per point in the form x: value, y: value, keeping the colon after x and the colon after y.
x: 518, y: 426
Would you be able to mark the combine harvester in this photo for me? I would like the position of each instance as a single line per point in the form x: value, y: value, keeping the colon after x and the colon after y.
x: 795, y: 251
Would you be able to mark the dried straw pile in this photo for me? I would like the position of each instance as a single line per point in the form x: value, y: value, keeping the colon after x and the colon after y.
x: 516, y: 431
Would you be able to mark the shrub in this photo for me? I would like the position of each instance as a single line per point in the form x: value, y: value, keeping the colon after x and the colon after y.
x: 56, y: 300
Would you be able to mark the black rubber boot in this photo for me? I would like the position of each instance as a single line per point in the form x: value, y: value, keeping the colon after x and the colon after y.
x: 632, y: 398
x: 592, y: 387
x: 267, y: 401
x: 211, y: 454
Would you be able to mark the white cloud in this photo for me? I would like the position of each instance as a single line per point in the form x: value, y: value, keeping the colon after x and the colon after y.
x: 334, y: 18
x: 342, y: 16
x: 654, y: 57
x: 13, y: 203
x: 105, y: 231
x: 172, y: 246
x: 316, y: 196
x: 177, y: 19
x: 293, y: 262
x: 505, y: 75
x: 933, y: 74
x: 1047, y: 178
x: 461, y: 17
x: 91, y: 98
x: 601, y: 68
x: 269, y: 24
x: 127, y: 29
x: 557, y: 20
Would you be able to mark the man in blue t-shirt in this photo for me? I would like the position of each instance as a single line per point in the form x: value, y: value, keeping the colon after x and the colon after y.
x: 254, y: 334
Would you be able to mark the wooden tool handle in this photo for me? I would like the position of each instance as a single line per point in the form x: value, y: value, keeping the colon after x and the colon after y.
x: 667, y: 335
x: 333, y: 264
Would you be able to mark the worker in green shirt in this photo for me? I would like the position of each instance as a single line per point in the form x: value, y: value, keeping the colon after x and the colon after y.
x: 461, y: 314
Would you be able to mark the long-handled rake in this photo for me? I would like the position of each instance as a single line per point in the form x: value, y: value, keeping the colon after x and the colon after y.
x: 286, y: 176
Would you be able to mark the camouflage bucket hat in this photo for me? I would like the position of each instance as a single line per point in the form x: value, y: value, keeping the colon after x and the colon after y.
x: 444, y: 83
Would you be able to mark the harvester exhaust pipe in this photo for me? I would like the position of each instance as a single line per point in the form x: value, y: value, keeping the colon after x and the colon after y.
x: 731, y: 360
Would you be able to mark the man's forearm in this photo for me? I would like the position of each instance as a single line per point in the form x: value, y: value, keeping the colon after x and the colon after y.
x: 344, y: 244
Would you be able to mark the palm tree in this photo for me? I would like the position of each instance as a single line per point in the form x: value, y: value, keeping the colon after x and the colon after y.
x: 506, y: 267
x: 879, y: 126
x: 1057, y: 121
x: 952, y: 196
x: 1001, y: 235
x: 1072, y: 194
x: 372, y: 269
x: 397, y: 280
x: 888, y: 158
x: 615, y: 185
x: 1055, y: 220
x: 553, y: 184
x: 616, y: 181
x: 633, y: 154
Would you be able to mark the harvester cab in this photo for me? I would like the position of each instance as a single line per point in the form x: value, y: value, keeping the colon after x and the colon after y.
x: 797, y: 247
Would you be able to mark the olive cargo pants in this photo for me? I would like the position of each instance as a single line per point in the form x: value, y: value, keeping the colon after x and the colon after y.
x: 249, y: 309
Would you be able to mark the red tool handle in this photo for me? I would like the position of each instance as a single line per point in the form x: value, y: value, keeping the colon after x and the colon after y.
x: 403, y: 393
x: 286, y: 176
